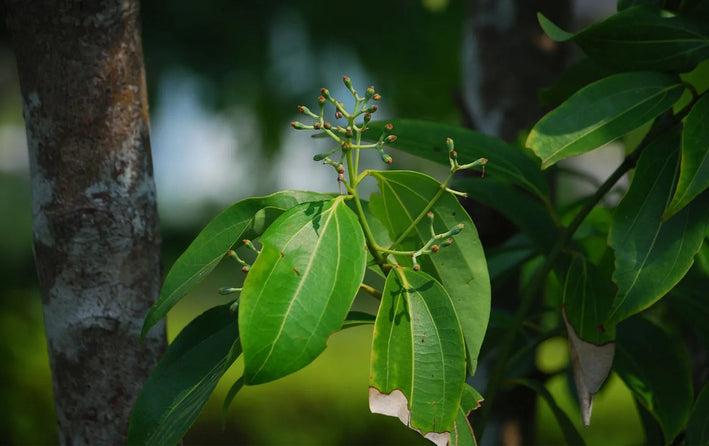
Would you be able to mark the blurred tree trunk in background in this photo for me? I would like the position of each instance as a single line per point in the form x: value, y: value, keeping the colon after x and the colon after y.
x: 95, y: 224
x: 506, y: 59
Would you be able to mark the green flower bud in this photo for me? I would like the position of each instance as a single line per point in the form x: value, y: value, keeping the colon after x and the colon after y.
x: 456, y: 229
x: 348, y: 82
x: 370, y: 92
x: 299, y: 125
x: 389, y: 127
x: 367, y: 117
x: 390, y: 138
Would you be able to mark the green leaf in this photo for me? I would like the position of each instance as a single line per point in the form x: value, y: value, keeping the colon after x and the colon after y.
x: 553, y: 31
x: 185, y: 377
x: 428, y: 140
x: 357, y: 318
x: 587, y: 297
x: 418, y: 357
x: 300, y: 288
x: 652, y: 256
x: 462, y: 433
x: 525, y: 212
x: 698, y: 425
x: 578, y: 75
x: 656, y: 369
x: 245, y: 219
x: 694, y: 169
x: 689, y: 301
x: 642, y: 38
x: 601, y: 112
x: 233, y: 390
x: 461, y: 267
x: 571, y: 435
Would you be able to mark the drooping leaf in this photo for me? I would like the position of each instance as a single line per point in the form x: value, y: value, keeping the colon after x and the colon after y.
x: 694, y: 168
x: 571, y: 435
x: 656, y: 369
x: 418, y: 357
x: 245, y: 219
x: 233, y: 390
x: 185, y: 377
x: 462, y: 434
x: 461, y: 267
x: 698, y: 425
x: 641, y: 38
x: 587, y: 297
x: 428, y: 140
x: 300, y: 288
x: 652, y: 256
x: 601, y: 112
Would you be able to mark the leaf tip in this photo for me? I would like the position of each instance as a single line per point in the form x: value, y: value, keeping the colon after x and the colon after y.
x: 552, y: 30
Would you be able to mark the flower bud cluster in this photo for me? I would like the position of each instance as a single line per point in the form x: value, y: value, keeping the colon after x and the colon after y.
x: 433, y: 245
x: 348, y: 136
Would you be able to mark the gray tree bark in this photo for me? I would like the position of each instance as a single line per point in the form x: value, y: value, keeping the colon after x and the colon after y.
x: 95, y: 223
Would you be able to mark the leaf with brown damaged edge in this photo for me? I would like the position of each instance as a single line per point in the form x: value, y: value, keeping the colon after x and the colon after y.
x: 462, y: 434
x: 418, y: 356
x: 591, y: 364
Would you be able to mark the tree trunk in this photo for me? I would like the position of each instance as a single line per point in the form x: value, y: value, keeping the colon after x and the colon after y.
x: 95, y: 224
x: 507, y: 58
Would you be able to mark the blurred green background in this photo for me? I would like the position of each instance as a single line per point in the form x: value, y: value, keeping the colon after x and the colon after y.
x: 224, y: 79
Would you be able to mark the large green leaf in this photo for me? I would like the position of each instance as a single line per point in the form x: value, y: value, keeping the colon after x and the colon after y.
x: 656, y: 369
x: 300, y: 288
x: 417, y: 370
x: 428, y: 140
x: 601, y: 112
x: 461, y: 267
x: 245, y: 219
x: 642, y: 38
x: 185, y: 377
x: 694, y: 169
x: 651, y: 256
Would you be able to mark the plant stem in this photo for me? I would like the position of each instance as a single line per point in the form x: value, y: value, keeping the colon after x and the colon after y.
x: 425, y: 210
